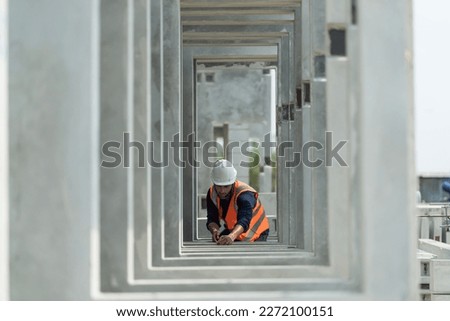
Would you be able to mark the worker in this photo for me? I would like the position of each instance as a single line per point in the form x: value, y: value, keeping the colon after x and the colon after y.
x: 237, y: 205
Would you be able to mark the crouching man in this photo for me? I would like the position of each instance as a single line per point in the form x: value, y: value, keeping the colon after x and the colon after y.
x: 235, y: 203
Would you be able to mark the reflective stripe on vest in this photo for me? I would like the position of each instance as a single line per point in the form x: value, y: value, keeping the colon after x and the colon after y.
x: 259, y: 222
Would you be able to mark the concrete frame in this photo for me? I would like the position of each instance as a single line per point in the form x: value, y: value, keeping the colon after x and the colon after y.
x: 155, y: 254
x: 190, y: 55
x: 294, y: 232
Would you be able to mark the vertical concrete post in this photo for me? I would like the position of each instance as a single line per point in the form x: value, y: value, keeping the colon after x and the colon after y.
x: 4, y: 197
x: 339, y: 185
x: 318, y: 119
x: 50, y: 153
x: 113, y: 92
x: 171, y: 116
x: 386, y: 140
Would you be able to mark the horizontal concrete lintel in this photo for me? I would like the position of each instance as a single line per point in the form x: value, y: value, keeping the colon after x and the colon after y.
x: 233, y: 12
x: 236, y: 22
x: 209, y: 4
x: 237, y: 58
x: 234, y: 35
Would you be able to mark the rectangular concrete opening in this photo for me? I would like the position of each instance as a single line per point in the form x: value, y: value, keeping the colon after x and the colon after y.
x: 258, y: 40
x: 234, y: 115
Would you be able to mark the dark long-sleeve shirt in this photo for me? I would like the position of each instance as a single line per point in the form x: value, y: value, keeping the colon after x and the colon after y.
x: 245, y: 202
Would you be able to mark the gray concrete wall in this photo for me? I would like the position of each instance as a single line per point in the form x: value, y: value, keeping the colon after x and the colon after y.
x: 51, y: 90
x: 240, y: 97
x: 236, y: 96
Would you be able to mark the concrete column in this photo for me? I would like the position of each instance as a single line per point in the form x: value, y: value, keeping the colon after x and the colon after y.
x: 51, y: 136
x: 4, y: 198
x: 387, y: 167
x: 319, y: 174
x: 115, y: 118
x: 339, y: 184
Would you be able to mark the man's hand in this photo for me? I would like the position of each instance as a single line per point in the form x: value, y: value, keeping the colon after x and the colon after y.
x: 214, y: 229
x: 215, y: 235
x: 229, y: 239
x: 225, y: 240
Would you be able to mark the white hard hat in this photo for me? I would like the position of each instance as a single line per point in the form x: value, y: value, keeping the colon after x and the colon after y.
x: 223, y: 173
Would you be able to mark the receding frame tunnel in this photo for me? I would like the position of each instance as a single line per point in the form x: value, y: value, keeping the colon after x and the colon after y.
x: 150, y: 236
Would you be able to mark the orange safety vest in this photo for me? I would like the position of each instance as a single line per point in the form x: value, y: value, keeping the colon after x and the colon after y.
x: 259, y: 222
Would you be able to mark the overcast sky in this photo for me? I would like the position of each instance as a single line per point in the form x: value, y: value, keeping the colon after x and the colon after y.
x: 432, y: 85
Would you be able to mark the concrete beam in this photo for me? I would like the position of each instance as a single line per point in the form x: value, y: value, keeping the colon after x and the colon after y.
x: 258, y: 4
